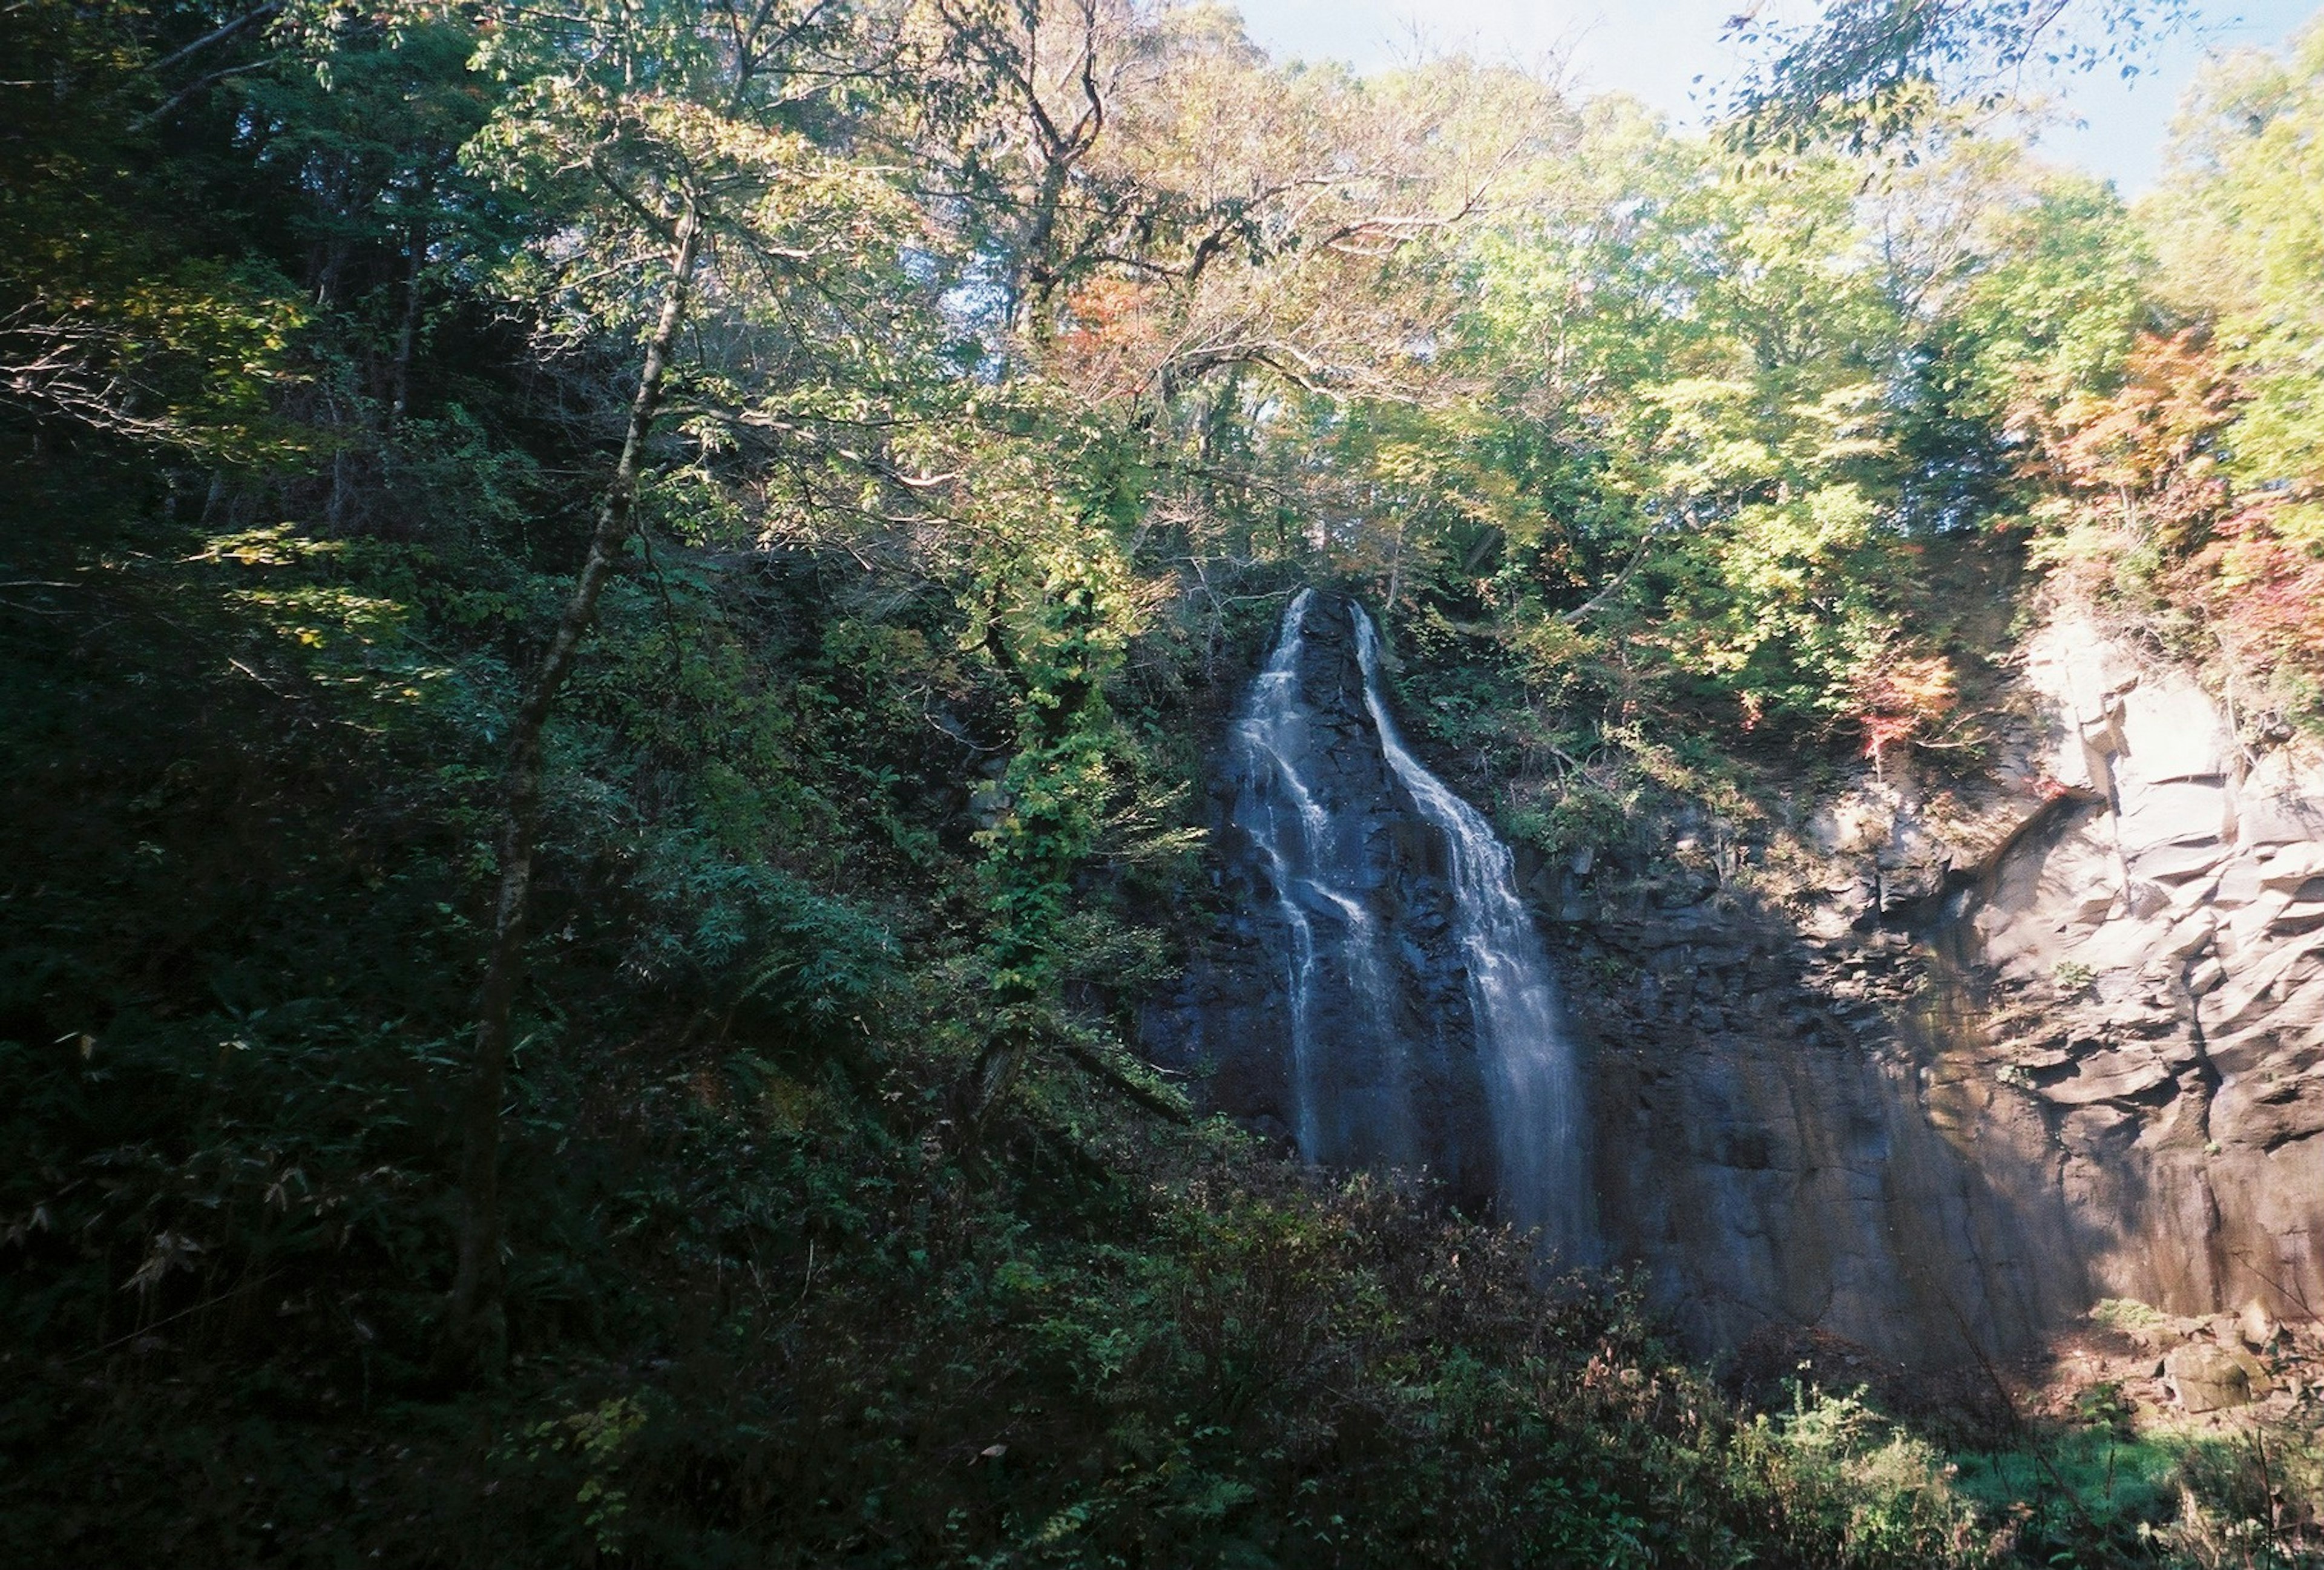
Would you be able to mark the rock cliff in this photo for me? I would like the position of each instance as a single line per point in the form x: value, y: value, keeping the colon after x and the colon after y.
x: 2014, y: 1049
x: 1931, y: 1070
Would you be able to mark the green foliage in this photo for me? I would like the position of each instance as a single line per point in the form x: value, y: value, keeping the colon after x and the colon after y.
x: 1055, y: 610
x: 2254, y: 1499
x: 1868, y: 73
x: 985, y: 465
x: 2241, y: 240
x: 2180, y: 478
x: 1878, y: 1493
x: 2053, y: 304
x: 2086, y: 1490
x: 2125, y: 1314
x: 116, y: 316
x: 1732, y: 406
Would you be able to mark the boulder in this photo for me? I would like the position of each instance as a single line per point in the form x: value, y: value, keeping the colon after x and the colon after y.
x: 2172, y: 863
x: 2191, y: 936
x: 2095, y: 903
x: 2210, y: 1378
x: 2121, y: 943
x: 2265, y: 1111
x: 2239, y: 883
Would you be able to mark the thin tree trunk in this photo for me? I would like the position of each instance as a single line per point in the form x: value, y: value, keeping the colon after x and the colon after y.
x: 475, y: 1325
x: 408, y: 338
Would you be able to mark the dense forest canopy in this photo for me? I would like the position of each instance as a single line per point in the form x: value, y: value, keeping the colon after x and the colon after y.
x: 610, y: 614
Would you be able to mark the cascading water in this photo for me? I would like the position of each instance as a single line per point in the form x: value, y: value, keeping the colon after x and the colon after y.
x: 1357, y: 952
x: 1335, y: 938
x: 1539, y: 1131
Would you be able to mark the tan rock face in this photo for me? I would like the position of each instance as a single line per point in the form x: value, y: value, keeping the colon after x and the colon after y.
x: 2066, y: 1044
x: 2228, y: 1164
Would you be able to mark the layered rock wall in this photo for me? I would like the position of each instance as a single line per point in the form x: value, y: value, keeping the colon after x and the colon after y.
x: 2015, y: 1049
x: 1960, y: 1064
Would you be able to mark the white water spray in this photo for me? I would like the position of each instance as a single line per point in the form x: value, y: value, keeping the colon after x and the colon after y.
x: 1532, y: 1079
x: 1540, y: 1133
x: 1335, y: 938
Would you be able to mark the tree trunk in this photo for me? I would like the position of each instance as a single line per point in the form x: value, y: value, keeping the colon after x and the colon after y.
x: 408, y: 338
x: 475, y: 1325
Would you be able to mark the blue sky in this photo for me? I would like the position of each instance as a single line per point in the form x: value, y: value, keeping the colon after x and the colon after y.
x: 1656, y: 50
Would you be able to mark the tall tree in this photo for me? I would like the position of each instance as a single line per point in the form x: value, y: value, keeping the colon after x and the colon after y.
x: 670, y: 152
x: 2241, y: 226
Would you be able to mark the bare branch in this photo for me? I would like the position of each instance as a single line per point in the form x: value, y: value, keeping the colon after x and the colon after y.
x: 216, y: 36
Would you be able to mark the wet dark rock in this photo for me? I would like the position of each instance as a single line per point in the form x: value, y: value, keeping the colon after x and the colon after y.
x: 2066, y: 1043
x: 1401, y: 863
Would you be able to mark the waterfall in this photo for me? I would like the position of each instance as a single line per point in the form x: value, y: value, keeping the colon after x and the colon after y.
x: 1539, y: 1131
x: 1335, y: 938
x: 1303, y: 801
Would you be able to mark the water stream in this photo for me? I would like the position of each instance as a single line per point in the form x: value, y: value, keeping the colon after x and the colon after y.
x: 1352, y: 1084
x: 1336, y: 937
x: 1534, y: 1086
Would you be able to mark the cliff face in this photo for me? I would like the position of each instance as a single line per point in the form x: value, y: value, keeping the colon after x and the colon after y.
x: 2159, y: 963
x: 1783, y: 1143
x: 1988, y: 1055
x: 2058, y: 1038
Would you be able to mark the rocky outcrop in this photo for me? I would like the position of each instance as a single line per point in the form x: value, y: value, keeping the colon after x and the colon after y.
x: 2011, y: 1052
x: 2176, y: 1372
x: 1932, y: 1071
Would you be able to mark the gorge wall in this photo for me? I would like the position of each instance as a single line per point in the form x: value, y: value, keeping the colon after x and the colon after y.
x: 1930, y: 1069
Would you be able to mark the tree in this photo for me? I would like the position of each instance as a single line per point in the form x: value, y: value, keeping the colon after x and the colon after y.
x: 670, y: 152
x: 1146, y: 202
x: 2240, y: 229
x: 1868, y: 72
x: 1713, y: 356
x: 126, y: 309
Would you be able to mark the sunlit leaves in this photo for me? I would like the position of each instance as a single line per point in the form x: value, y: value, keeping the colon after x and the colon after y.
x: 2185, y: 476
x: 1723, y: 353
x: 1868, y: 74
x: 112, y: 317
x: 193, y: 360
x: 2242, y: 218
